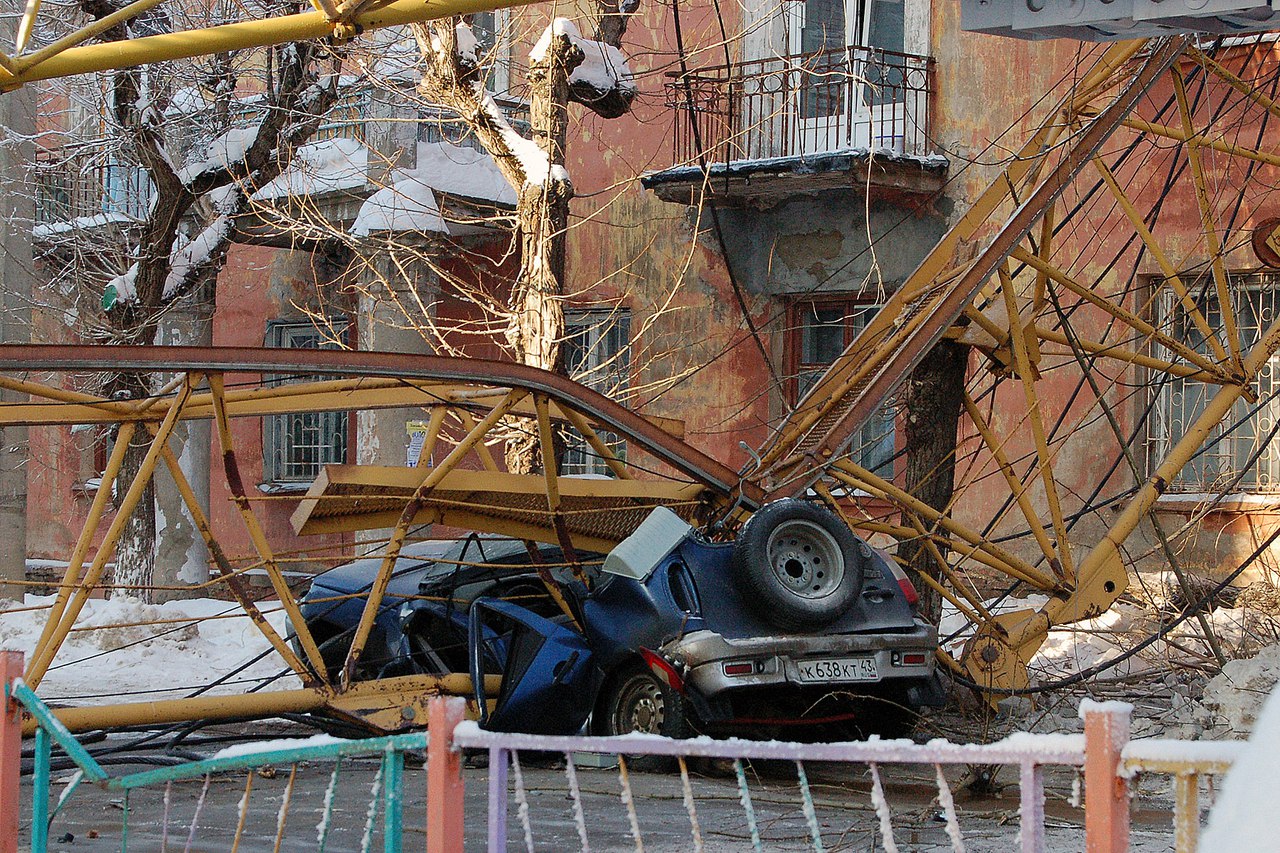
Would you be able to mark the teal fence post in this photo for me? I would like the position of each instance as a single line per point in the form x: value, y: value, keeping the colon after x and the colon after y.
x: 392, y: 784
x: 40, y: 794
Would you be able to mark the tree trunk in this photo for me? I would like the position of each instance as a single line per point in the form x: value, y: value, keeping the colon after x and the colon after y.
x: 537, y: 325
x: 136, y: 549
x: 933, y: 399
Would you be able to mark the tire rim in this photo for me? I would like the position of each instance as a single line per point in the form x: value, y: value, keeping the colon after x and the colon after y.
x: 640, y: 707
x: 805, y: 559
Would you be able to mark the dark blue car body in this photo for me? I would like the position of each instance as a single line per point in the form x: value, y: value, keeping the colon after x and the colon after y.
x: 478, y: 607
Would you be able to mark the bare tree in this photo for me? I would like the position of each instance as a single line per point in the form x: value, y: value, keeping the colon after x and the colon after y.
x: 237, y: 128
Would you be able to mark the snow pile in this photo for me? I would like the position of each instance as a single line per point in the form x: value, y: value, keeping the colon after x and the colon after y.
x: 320, y: 167
x: 409, y: 202
x: 260, y: 746
x: 1242, y: 819
x: 1232, y: 702
x: 118, y: 658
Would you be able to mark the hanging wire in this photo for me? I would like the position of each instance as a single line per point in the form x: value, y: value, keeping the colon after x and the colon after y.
x: 322, y: 827
x: 522, y: 802
x: 195, y: 818
x: 882, y: 811
x: 744, y: 796
x: 579, y: 820
x: 689, y: 804
x: 629, y: 801
x: 948, y: 804
x: 810, y: 813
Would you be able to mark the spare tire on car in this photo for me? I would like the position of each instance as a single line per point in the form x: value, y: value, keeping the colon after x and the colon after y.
x: 799, y: 565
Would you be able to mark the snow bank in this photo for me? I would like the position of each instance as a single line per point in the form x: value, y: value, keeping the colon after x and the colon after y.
x: 320, y: 167
x: 261, y: 746
x: 409, y: 203
x: 1242, y: 819
x: 120, y: 660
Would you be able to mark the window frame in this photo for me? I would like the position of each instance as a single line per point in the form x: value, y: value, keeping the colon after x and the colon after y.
x: 599, y: 323
x: 797, y: 367
x: 276, y: 472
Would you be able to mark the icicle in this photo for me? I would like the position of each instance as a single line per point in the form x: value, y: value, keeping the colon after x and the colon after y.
x: 629, y: 801
x: 572, y: 773
x: 689, y: 806
x: 195, y: 818
x: 948, y: 804
x: 882, y: 811
x: 322, y: 828
x: 744, y: 796
x: 810, y: 813
x: 522, y: 802
x: 375, y: 792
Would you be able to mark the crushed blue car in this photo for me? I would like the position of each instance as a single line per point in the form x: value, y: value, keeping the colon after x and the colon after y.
x: 798, y: 622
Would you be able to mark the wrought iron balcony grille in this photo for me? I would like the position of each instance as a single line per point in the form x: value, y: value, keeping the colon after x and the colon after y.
x: 804, y: 104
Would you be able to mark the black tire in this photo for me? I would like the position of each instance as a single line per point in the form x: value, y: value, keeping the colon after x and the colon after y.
x: 799, y: 566
x: 635, y: 700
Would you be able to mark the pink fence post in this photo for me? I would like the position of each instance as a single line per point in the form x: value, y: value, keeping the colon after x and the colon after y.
x: 444, y: 775
x: 1106, y: 791
x: 11, y: 667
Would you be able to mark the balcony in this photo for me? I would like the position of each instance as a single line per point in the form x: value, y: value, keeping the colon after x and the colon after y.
x: 768, y: 128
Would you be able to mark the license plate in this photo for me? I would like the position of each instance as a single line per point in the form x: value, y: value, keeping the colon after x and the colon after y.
x: 839, y: 669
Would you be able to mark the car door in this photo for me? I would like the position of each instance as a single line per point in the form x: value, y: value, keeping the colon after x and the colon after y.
x: 548, y: 676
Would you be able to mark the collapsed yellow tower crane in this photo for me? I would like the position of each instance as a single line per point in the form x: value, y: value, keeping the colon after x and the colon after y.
x: 998, y: 280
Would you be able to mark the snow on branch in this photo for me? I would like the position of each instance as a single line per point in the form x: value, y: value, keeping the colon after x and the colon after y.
x: 603, y: 81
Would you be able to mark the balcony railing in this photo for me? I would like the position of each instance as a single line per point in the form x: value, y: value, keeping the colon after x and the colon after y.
x: 73, y: 183
x: 812, y: 103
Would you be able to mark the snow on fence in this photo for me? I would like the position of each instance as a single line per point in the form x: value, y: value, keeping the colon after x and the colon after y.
x: 576, y: 811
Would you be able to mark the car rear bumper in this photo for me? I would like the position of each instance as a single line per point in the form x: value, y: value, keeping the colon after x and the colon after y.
x: 709, y: 660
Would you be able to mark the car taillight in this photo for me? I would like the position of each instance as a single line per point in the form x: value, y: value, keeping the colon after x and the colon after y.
x: 665, y: 672
x: 908, y: 590
x: 740, y: 668
x: 909, y: 658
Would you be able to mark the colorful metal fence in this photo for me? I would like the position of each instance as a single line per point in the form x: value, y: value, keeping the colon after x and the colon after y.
x: 1106, y: 755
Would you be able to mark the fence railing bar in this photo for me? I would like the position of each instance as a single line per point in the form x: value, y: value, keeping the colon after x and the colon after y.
x: 164, y: 819
x: 371, y: 815
x: 522, y: 802
x: 1049, y: 749
x: 283, y: 815
x: 292, y: 755
x: 326, y: 813
x: 498, y: 800
x: 689, y: 805
x: 195, y: 818
x: 883, y: 813
x: 624, y: 779
x: 810, y: 813
x: 1031, y: 807
x: 243, y: 813
x: 67, y: 791
x: 575, y: 794
x: 744, y: 796
x: 54, y: 728
x: 948, y: 803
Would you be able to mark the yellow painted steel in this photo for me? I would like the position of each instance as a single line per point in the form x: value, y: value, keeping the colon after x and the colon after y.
x: 43, y: 655
x: 256, y: 534
x: 88, y: 59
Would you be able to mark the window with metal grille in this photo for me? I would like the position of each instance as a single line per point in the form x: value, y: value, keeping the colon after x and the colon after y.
x: 1240, y: 452
x: 597, y: 353
x: 296, y: 446
x: 818, y: 333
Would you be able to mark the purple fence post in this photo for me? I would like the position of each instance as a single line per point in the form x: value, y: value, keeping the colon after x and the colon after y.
x: 1031, y: 808
x: 1106, y: 791
x: 498, y: 762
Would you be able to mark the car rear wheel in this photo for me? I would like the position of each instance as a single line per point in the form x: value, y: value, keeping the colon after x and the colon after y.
x: 635, y: 700
x: 800, y: 565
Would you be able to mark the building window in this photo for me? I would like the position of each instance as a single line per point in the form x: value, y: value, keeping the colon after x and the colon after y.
x: 819, y: 333
x: 1242, y: 441
x: 296, y: 446
x: 597, y: 353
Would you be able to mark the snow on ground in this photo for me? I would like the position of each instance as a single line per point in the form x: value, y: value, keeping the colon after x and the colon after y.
x: 1241, y: 819
x: 110, y: 657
